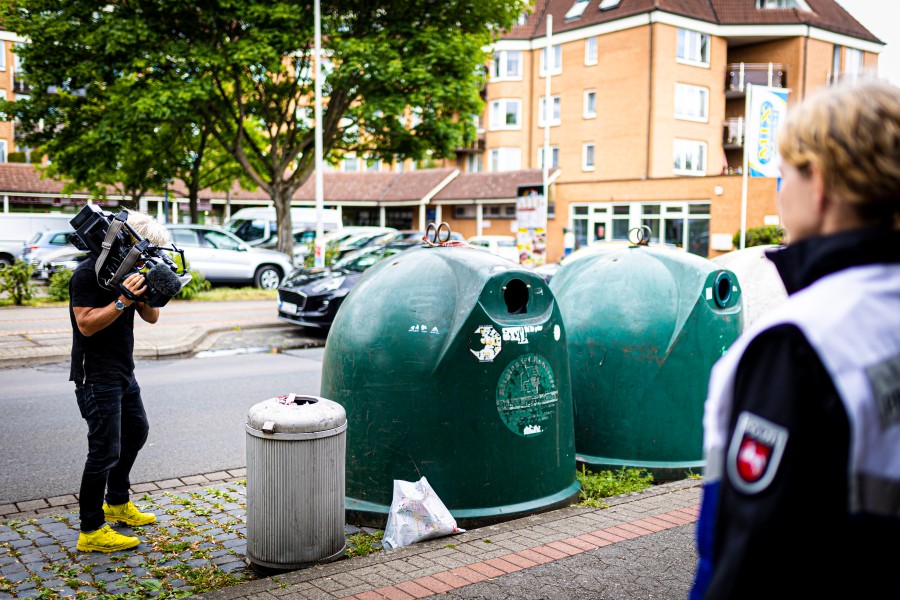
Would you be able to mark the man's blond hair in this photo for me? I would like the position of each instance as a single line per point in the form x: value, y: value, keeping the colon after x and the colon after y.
x: 148, y: 228
x: 851, y: 134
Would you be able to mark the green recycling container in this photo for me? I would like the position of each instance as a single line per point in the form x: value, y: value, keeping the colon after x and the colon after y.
x: 451, y: 364
x: 644, y: 327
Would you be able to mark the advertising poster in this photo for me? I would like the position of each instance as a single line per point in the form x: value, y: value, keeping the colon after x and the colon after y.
x: 531, y: 217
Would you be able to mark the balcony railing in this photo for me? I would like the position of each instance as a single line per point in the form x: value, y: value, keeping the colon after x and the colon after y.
x: 733, y: 133
x: 20, y: 86
x: 739, y: 75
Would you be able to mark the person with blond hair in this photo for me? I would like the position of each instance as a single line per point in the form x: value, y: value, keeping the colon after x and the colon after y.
x: 801, y: 490
x: 108, y: 394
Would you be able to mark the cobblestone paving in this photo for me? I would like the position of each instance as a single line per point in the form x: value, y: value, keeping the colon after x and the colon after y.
x: 198, y: 543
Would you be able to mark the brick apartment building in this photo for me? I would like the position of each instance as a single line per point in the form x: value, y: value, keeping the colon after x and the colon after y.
x: 648, y: 100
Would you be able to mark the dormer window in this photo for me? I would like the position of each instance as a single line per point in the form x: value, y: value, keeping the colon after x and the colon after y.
x: 798, y: 4
x: 608, y: 4
x: 577, y: 9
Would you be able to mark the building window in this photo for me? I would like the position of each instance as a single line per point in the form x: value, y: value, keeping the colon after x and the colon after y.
x: 693, y: 47
x: 373, y: 164
x: 608, y: 4
x: 4, y: 157
x: 853, y: 61
x: 590, y: 104
x: 590, y: 51
x: 556, y: 66
x: 350, y: 163
x: 506, y: 114
x: 2, y: 57
x: 506, y: 159
x: 801, y: 4
x: 473, y: 163
x: 690, y: 157
x: 577, y: 9
x: 555, y: 117
x: 587, y: 156
x: 691, y: 102
x: 506, y: 64
x: 554, y: 157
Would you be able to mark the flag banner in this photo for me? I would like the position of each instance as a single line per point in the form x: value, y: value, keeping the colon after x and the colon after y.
x: 766, y: 110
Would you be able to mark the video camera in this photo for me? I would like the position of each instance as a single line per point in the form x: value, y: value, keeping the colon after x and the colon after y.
x: 120, y: 251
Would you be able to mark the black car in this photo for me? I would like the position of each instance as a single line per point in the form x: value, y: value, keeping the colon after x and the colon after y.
x: 311, y: 297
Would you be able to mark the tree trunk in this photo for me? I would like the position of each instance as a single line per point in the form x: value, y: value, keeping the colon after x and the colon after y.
x: 281, y: 197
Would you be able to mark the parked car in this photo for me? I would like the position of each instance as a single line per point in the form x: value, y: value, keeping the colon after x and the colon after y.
x: 362, y: 238
x: 501, y: 245
x: 223, y: 258
x: 312, y: 297
x: 57, y: 259
x: 43, y: 242
x: 416, y: 235
x: 302, y: 238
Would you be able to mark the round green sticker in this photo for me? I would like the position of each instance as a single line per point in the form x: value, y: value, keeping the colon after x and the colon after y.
x: 527, y: 395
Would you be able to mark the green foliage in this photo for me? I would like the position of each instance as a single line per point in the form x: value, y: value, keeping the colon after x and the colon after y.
x: 16, y: 157
x: 196, y: 285
x: 604, y: 484
x: 59, y: 285
x: 331, y: 254
x: 145, y: 89
x: 16, y: 281
x: 362, y: 543
x: 760, y: 236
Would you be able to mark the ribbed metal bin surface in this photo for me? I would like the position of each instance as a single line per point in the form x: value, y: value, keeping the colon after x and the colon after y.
x: 295, y: 497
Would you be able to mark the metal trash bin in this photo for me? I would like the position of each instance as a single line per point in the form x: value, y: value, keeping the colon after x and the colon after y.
x: 296, y: 448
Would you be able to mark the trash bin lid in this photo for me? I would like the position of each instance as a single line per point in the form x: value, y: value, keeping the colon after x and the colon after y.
x: 295, y: 413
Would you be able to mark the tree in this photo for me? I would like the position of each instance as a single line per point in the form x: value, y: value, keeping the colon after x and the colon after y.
x: 403, y: 76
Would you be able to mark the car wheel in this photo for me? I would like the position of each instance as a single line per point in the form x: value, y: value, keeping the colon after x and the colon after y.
x: 5, y: 261
x: 267, y: 277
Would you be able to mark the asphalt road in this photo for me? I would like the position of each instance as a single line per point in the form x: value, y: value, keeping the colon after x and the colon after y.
x: 197, y: 408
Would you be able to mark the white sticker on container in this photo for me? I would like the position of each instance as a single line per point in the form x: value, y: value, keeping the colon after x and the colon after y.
x: 520, y: 333
x: 556, y: 332
x: 491, y: 344
x: 709, y: 293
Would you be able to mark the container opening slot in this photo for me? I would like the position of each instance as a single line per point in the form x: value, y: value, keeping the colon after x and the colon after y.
x: 515, y: 293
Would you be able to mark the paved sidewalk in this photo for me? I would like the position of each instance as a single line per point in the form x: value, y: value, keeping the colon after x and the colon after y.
x: 639, y: 546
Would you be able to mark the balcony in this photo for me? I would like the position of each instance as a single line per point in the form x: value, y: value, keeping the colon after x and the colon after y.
x: 20, y: 86
x: 739, y: 75
x: 733, y: 133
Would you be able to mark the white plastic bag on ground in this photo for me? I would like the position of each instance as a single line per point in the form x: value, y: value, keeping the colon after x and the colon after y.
x: 416, y: 514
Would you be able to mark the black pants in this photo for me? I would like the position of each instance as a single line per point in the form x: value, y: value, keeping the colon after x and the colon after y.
x: 117, y: 430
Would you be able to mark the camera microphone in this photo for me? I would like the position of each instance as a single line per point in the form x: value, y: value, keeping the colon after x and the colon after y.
x: 161, y: 278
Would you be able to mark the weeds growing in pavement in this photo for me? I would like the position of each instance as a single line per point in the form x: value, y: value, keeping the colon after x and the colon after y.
x: 362, y: 543
x: 595, y: 486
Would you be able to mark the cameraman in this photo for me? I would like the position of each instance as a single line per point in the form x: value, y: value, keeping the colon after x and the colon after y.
x: 108, y: 395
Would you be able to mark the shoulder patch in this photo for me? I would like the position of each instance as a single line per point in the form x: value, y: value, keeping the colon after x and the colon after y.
x: 885, y: 381
x: 754, y: 453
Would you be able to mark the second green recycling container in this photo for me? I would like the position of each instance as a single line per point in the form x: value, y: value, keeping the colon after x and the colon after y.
x: 645, y: 326
x: 451, y: 364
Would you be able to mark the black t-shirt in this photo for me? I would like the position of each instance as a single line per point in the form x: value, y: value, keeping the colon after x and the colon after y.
x: 106, y: 356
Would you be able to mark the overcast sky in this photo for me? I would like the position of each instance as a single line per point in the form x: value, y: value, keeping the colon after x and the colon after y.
x: 881, y: 17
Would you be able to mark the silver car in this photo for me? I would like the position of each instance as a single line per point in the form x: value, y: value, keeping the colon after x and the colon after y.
x: 222, y: 257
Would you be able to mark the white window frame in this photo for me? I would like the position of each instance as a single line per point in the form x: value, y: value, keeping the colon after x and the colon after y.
x: 608, y: 4
x: 554, y: 157
x: 507, y: 159
x: 556, y: 119
x: 557, y: 60
x: 350, y: 159
x: 690, y: 42
x: 499, y: 109
x: 500, y: 66
x: 589, y: 111
x: 689, y: 97
x: 588, y: 156
x: 680, y: 149
x: 590, y: 51
x: 854, y: 61
x: 2, y: 55
x: 473, y: 163
x: 577, y: 10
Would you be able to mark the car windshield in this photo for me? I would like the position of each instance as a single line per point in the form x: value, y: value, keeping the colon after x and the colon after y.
x: 220, y: 240
x: 362, y: 260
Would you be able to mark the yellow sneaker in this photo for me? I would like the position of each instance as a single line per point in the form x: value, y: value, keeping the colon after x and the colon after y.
x: 127, y: 513
x: 105, y: 540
